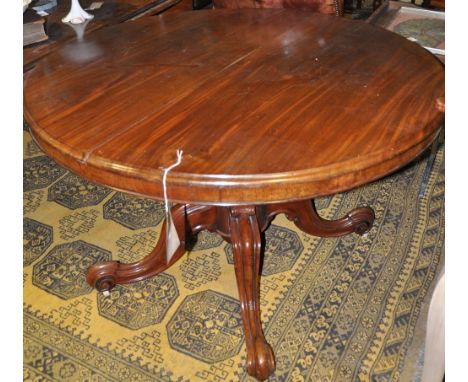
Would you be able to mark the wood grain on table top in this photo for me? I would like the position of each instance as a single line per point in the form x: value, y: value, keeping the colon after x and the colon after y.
x: 268, y: 105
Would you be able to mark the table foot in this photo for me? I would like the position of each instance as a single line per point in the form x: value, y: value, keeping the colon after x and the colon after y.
x: 247, y: 249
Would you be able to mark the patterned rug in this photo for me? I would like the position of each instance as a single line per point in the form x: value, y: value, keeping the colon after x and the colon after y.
x: 340, y: 309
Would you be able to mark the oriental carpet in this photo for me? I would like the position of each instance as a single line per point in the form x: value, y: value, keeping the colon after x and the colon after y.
x: 344, y: 309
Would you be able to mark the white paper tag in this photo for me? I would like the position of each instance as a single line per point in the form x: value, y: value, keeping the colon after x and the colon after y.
x: 42, y: 13
x: 172, y: 238
x: 95, y: 5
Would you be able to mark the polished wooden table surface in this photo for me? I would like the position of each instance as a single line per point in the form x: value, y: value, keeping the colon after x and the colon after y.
x: 271, y: 108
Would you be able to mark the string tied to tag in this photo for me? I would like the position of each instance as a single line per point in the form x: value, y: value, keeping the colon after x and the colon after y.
x: 172, y: 238
x: 166, y: 171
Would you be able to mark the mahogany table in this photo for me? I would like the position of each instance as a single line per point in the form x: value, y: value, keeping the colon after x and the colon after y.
x: 271, y: 108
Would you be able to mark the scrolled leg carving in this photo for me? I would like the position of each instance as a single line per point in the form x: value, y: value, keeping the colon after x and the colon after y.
x: 247, y: 247
x: 107, y: 281
x: 361, y: 219
x: 188, y: 220
x: 305, y: 216
x: 104, y: 276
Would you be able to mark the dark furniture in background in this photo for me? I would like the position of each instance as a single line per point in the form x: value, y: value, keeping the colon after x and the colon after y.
x: 200, y: 4
x: 438, y: 4
x: 110, y: 13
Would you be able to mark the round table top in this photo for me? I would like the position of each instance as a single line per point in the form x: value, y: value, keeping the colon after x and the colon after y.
x: 267, y: 105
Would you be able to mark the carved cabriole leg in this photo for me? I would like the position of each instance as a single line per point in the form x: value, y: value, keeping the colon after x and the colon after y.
x: 241, y: 226
x: 304, y: 215
x: 188, y: 220
x: 247, y: 247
